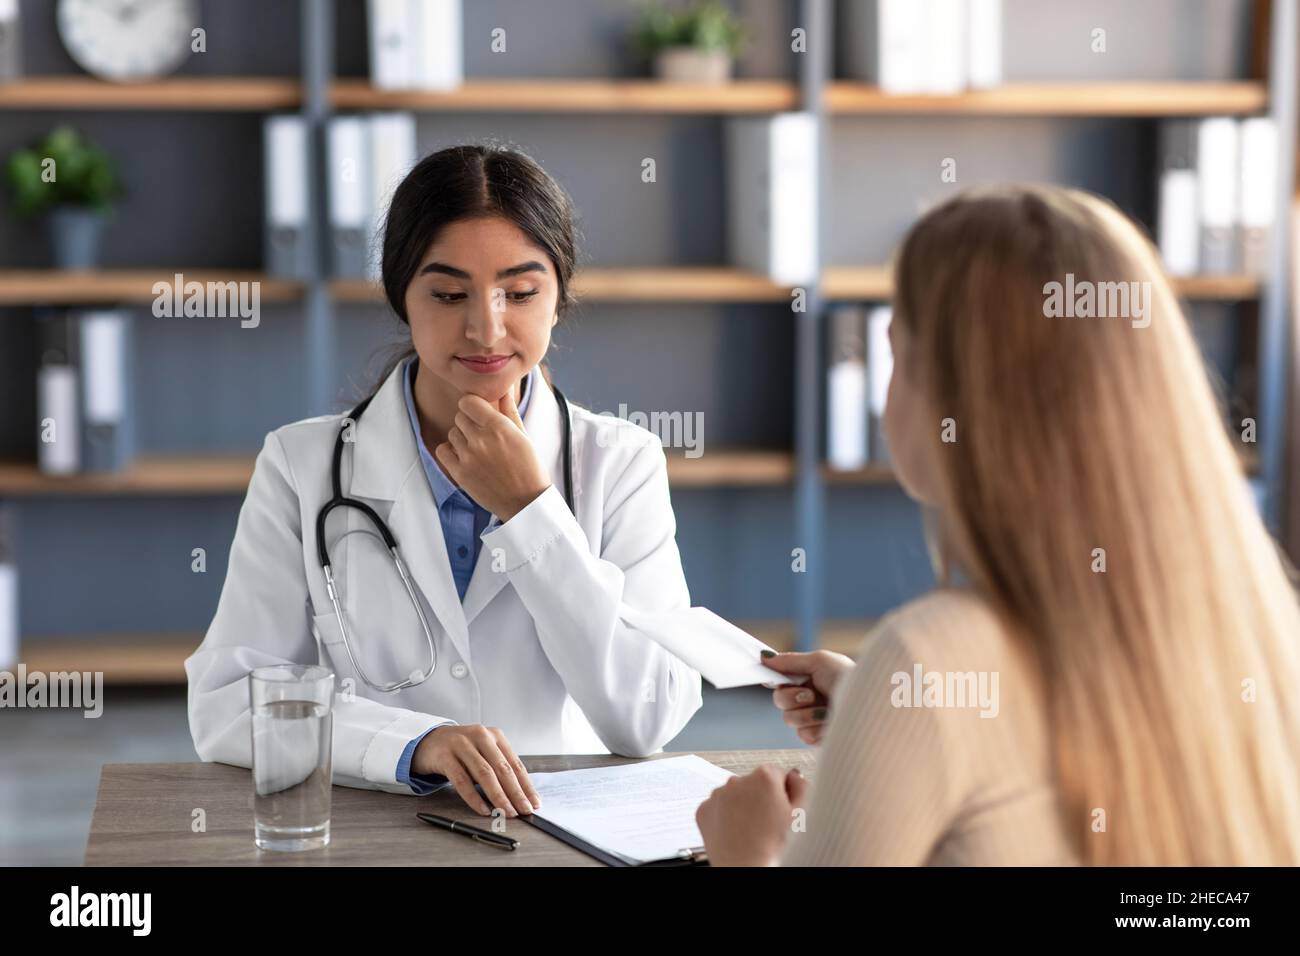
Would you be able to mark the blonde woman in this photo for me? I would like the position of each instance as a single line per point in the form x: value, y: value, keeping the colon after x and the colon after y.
x: 1123, y: 601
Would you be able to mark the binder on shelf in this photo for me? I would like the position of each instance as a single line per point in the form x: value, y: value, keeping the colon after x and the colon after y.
x: 439, y: 61
x: 11, y: 59
x: 846, y: 389
x: 1258, y: 191
x: 886, y: 44
x: 984, y: 44
x: 392, y: 44
x: 108, y: 430
x: 1178, y: 220
x: 349, y: 196
x: 392, y: 154
x: 58, y: 395
x: 947, y: 44
x: 923, y: 47
x: 8, y: 591
x: 415, y: 44
x: 284, y: 143
x: 1217, y: 158
x: 771, y: 207
x: 880, y: 366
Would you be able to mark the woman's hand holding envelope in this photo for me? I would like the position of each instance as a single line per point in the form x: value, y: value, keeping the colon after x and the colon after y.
x: 806, y: 707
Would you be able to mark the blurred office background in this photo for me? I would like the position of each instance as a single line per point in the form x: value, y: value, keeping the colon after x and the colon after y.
x: 103, y: 565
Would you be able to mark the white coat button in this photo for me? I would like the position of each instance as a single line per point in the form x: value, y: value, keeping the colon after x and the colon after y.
x: 459, y: 670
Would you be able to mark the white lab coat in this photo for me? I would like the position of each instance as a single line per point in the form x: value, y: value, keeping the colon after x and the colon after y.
x: 538, y: 648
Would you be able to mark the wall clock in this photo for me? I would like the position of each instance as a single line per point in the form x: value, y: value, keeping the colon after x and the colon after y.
x: 127, y: 39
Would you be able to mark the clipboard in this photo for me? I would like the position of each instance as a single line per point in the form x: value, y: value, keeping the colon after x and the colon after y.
x: 691, y: 856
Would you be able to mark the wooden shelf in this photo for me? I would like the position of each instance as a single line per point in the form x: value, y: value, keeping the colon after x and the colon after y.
x: 1059, y: 99
x: 876, y: 283
x: 687, y: 284
x: 1226, y: 288
x: 575, y: 96
x: 870, y: 475
x: 189, y: 475
x: 690, y: 284
x: 126, y: 286
x: 255, y: 94
x: 224, y: 93
x: 857, y: 282
x: 122, y: 658
x: 178, y: 475
x: 731, y: 469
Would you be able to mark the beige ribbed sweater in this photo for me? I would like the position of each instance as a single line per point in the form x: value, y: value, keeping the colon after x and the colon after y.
x: 908, y: 785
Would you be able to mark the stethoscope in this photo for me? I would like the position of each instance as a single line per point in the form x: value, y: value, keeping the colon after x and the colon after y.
x: 341, y: 501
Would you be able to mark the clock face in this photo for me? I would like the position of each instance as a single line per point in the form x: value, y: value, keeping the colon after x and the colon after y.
x: 127, y: 39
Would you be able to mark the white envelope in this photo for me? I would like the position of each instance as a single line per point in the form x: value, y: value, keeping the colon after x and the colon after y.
x: 724, y: 654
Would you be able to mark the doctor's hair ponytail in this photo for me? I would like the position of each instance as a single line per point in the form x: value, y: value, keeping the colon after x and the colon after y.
x: 471, y: 182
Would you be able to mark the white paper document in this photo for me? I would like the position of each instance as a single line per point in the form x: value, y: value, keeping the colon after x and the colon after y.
x: 724, y: 654
x: 638, y: 812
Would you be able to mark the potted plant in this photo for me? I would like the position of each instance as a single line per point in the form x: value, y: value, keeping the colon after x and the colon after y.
x: 72, y: 182
x: 692, y: 44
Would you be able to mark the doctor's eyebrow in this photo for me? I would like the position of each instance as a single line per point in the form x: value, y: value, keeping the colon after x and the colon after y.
x: 442, y: 268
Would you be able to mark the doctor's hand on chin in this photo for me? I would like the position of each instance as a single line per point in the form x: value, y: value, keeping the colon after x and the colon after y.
x: 746, y: 821
x: 472, y: 754
x: 489, y: 455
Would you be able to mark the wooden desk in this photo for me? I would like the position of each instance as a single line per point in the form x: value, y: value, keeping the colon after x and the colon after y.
x: 144, y: 813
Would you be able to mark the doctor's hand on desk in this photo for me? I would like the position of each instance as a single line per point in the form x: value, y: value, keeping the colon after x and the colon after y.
x: 807, y: 706
x: 489, y: 455
x: 472, y: 754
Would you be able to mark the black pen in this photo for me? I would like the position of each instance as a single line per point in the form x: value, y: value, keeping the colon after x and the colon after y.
x: 474, y: 833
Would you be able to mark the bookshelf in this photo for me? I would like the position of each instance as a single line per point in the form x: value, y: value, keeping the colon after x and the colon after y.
x: 792, y: 479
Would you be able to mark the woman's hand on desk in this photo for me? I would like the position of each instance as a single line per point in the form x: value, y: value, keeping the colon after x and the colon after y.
x: 472, y: 754
x: 805, y: 707
x: 489, y: 455
x: 745, y: 822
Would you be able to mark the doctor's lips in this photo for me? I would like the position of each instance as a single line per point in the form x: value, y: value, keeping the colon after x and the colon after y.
x: 484, y: 364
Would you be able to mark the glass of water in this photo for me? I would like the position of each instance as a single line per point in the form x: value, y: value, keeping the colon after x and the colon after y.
x: 293, y: 737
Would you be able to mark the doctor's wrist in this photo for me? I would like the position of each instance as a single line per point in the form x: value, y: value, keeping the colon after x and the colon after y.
x: 520, y: 503
x: 423, y: 760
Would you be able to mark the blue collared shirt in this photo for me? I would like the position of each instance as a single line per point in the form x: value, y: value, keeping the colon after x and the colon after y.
x: 463, y: 519
x: 463, y: 522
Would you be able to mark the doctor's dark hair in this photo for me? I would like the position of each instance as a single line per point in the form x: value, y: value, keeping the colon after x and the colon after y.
x: 471, y: 182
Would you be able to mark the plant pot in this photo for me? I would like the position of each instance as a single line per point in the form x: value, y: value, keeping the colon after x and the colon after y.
x: 74, y: 235
x: 688, y: 64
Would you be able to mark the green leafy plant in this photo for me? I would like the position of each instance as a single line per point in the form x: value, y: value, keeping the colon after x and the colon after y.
x: 705, y: 26
x: 82, y: 174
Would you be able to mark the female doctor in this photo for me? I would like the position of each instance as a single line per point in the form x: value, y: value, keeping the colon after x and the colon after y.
x: 509, y: 638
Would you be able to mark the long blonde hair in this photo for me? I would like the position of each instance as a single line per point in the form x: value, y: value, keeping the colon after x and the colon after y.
x: 1095, y: 497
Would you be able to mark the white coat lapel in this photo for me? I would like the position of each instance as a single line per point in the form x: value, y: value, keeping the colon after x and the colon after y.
x: 387, y: 467
x: 543, y: 426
